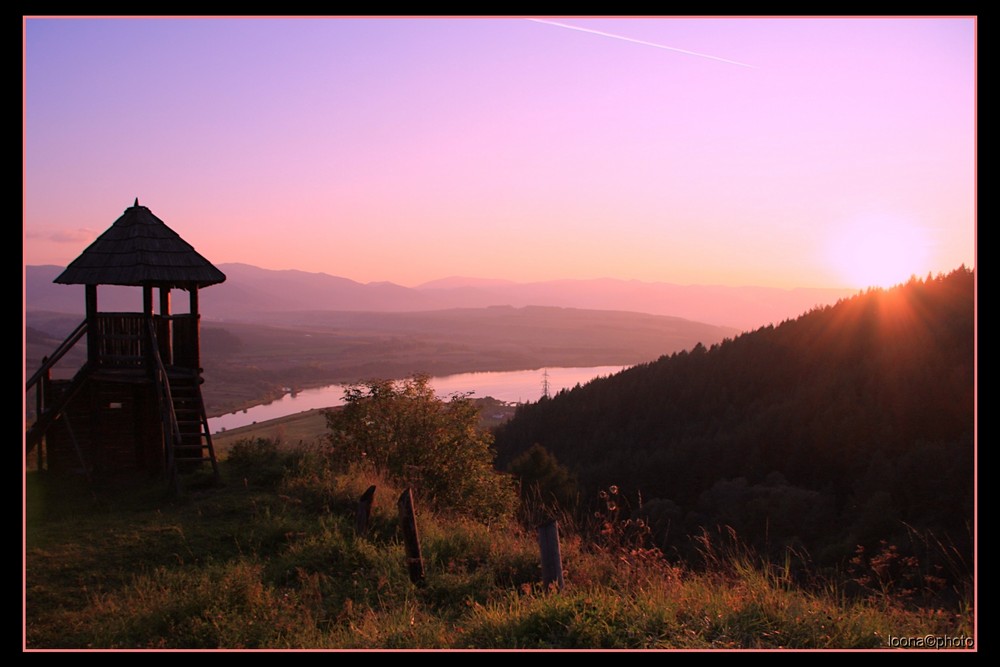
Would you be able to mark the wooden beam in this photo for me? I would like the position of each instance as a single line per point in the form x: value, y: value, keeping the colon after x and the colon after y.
x: 196, y: 332
x: 165, y: 301
x: 163, y: 328
x: 92, y: 343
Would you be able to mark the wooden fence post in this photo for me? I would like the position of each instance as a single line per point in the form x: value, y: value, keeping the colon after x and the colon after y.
x: 548, y: 543
x: 364, y: 511
x: 408, y: 521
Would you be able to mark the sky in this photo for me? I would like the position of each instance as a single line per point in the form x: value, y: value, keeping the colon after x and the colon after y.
x: 784, y: 152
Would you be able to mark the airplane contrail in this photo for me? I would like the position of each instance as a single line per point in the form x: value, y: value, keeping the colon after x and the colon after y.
x: 639, y: 41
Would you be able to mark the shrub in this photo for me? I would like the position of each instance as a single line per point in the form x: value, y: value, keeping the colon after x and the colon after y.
x: 413, y: 437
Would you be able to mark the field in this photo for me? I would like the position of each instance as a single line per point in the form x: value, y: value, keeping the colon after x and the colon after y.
x: 304, y: 427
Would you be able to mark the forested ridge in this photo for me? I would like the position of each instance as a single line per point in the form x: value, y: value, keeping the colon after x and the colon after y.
x: 847, y: 426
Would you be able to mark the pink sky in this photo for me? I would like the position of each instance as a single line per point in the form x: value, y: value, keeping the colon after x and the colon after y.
x: 413, y: 149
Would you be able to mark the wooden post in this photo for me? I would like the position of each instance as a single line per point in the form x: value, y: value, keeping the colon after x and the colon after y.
x: 93, y: 335
x: 164, y: 301
x: 163, y: 330
x: 193, y: 312
x: 548, y: 543
x: 147, y: 300
x: 408, y: 521
x: 364, y: 511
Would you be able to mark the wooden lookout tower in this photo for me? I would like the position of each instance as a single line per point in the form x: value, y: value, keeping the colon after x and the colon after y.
x: 135, y: 406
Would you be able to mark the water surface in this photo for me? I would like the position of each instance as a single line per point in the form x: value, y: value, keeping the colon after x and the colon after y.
x: 508, y: 386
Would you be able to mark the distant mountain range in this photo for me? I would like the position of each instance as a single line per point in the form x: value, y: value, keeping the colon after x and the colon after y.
x: 251, y: 293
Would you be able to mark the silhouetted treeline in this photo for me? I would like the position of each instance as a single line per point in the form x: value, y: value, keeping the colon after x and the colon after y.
x: 849, y: 425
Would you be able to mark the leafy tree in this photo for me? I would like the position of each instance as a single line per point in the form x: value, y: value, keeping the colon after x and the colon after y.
x: 410, y: 435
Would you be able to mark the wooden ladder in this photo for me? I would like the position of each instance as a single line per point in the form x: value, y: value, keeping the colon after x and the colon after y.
x: 192, y: 444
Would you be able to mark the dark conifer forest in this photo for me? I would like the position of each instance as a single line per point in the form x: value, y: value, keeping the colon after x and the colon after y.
x: 846, y: 432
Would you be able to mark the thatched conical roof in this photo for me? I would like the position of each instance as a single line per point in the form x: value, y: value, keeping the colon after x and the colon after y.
x: 139, y: 249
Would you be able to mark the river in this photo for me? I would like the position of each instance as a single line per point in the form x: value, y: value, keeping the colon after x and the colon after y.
x: 507, y: 386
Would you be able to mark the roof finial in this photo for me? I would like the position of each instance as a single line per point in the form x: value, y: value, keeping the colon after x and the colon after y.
x: 136, y: 202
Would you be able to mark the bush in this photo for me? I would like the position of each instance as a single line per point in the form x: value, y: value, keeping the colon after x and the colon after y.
x: 411, y: 436
x: 261, y: 461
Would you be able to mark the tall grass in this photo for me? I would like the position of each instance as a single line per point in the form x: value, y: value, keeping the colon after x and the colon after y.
x: 270, y: 560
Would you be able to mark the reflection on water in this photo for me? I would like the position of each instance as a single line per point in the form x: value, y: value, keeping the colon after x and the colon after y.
x: 508, y: 386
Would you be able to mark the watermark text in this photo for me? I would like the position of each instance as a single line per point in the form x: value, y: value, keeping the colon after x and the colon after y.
x: 930, y: 641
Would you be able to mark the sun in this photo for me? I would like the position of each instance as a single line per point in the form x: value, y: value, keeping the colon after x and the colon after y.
x: 878, y: 251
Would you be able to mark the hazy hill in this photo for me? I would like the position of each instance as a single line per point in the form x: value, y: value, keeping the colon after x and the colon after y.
x: 263, y: 290
x: 744, y: 308
x: 250, y: 292
x: 41, y: 294
x: 266, y: 330
x: 313, y: 348
x: 838, y: 428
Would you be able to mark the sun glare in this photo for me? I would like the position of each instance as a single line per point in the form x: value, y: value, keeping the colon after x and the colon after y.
x: 878, y: 251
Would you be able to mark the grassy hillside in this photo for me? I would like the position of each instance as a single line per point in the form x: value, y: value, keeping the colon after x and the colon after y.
x: 270, y: 560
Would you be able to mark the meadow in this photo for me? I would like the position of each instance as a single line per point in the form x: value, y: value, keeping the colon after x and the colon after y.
x: 270, y: 559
